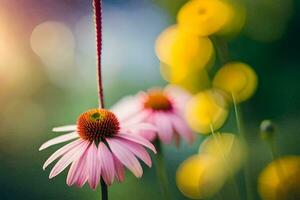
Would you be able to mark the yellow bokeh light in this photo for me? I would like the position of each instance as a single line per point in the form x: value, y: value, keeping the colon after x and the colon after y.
x: 183, y: 52
x: 206, y: 111
x: 280, y: 180
x: 193, y: 82
x: 226, y: 147
x: 237, y: 79
x: 200, y: 176
x: 208, y: 17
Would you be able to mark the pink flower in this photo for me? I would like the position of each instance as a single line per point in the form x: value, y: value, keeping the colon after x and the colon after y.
x: 164, y: 109
x: 101, y: 147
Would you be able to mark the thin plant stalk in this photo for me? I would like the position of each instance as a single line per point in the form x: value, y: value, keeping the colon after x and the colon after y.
x: 97, y: 5
x: 241, y: 133
x: 161, y: 171
x: 274, y: 155
x: 223, y: 54
x: 216, y: 137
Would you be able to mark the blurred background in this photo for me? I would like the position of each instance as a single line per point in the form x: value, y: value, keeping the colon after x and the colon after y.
x: 48, y: 77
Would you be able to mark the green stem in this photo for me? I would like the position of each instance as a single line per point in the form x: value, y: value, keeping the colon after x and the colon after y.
x: 232, y: 179
x: 274, y: 154
x: 104, y: 192
x: 241, y: 133
x: 161, y: 171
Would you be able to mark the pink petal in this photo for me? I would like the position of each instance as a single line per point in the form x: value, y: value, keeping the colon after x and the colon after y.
x: 178, y: 95
x: 94, y: 166
x: 140, y: 126
x: 120, y: 172
x: 77, y: 170
x: 68, y: 158
x: 61, y: 152
x: 164, y: 126
x: 67, y: 128
x: 126, y: 157
x: 73, y: 171
x: 182, y: 129
x: 82, y: 171
x: 59, y: 139
x: 107, y: 162
x: 136, y: 149
x: 137, y: 139
x: 141, y: 116
x: 127, y: 107
x: 146, y: 130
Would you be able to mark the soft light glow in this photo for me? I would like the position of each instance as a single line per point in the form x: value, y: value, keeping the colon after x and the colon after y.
x: 238, y: 79
x: 280, y: 180
x: 227, y: 148
x: 54, y: 43
x: 206, y: 111
x: 208, y: 17
x: 183, y: 52
x: 200, y: 176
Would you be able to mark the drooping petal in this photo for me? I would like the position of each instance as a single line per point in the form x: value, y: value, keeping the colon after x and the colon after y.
x: 94, y: 166
x: 164, y: 126
x: 137, y: 149
x: 82, y: 171
x: 126, y: 157
x: 61, y: 152
x: 107, y: 163
x: 182, y: 129
x: 68, y: 158
x: 120, y: 171
x: 76, y: 170
x: 66, y: 128
x: 137, y: 139
x: 59, y: 139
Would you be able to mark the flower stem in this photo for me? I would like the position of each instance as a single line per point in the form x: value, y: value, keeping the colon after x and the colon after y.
x: 235, y: 187
x: 98, y: 25
x: 97, y: 4
x: 241, y: 133
x: 161, y: 171
x: 274, y: 155
x: 104, y: 193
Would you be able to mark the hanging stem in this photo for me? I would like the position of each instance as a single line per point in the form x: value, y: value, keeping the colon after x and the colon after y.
x: 98, y: 25
x: 240, y: 128
x: 161, y: 171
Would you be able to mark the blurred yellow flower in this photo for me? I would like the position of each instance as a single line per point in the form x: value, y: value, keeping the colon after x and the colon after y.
x: 200, y: 177
x: 226, y: 147
x: 238, y: 79
x: 183, y: 52
x: 280, y: 180
x: 206, y: 111
x: 208, y: 17
x: 194, y: 82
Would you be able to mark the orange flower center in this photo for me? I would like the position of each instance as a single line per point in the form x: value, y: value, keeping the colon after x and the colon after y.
x: 97, y: 124
x: 157, y: 100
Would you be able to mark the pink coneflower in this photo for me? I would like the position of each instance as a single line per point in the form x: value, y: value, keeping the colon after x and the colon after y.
x: 101, y: 147
x: 162, y: 108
